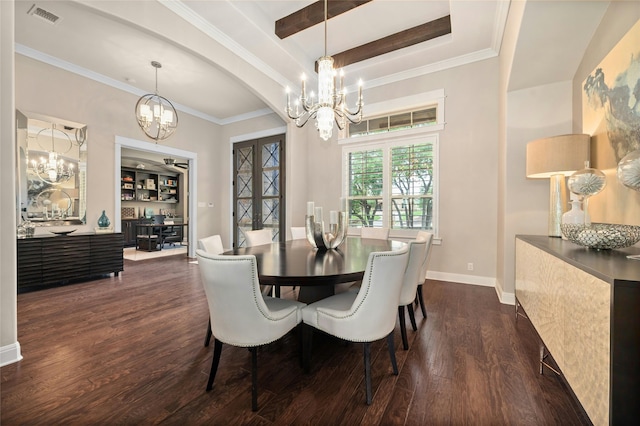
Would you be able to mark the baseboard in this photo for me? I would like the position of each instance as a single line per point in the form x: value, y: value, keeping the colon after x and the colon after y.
x: 505, y: 298
x: 10, y: 354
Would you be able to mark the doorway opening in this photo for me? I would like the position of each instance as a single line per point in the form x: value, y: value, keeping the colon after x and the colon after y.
x: 156, y: 154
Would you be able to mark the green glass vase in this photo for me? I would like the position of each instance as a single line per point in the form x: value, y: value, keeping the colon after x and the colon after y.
x: 103, y: 221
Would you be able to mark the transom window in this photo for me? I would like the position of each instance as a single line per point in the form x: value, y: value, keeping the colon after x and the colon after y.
x: 389, y: 123
x: 392, y: 183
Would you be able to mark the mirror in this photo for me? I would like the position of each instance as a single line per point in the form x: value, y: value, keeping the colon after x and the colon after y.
x: 52, y: 170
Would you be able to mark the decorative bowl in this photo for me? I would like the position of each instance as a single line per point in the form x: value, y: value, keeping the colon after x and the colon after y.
x: 602, y: 236
x: 63, y: 232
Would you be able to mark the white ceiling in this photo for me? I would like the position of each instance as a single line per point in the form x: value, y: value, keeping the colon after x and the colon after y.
x: 99, y: 37
x: 115, y: 41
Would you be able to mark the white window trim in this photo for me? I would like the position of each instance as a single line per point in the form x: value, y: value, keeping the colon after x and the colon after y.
x: 385, y: 142
x: 394, y: 106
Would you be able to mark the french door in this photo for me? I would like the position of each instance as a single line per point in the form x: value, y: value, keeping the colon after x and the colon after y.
x: 258, y: 183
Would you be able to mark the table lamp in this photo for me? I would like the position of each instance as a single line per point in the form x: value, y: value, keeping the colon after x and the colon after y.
x: 555, y: 158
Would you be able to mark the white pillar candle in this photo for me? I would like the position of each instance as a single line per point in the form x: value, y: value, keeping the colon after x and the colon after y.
x: 310, y: 208
x: 333, y: 217
x: 318, y: 214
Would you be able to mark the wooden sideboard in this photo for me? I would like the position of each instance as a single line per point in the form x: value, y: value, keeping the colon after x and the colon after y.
x: 584, y: 305
x: 57, y: 259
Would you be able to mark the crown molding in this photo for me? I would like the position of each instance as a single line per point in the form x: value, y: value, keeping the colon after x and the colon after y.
x: 111, y: 82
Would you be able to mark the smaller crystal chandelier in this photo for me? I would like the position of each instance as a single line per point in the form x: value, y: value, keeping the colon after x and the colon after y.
x: 53, y: 169
x: 156, y: 115
x: 331, y: 105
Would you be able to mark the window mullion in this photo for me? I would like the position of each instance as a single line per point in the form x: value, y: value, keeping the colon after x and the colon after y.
x: 386, y: 187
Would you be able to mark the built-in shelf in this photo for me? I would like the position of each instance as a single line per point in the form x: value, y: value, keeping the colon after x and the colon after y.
x: 149, y: 186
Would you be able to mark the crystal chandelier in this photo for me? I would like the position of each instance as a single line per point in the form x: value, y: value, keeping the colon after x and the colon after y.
x: 331, y: 105
x: 53, y: 169
x: 156, y: 115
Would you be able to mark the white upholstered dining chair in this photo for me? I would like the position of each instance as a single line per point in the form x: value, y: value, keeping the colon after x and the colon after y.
x: 298, y: 233
x: 212, y: 245
x: 417, y: 250
x: 374, y: 233
x: 364, y: 316
x: 368, y: 233
x: 240, y: 315
x: 258, y: 237
x: 428, y: 237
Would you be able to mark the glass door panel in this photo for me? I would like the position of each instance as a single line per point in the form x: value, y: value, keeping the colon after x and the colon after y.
x: 258, y: 197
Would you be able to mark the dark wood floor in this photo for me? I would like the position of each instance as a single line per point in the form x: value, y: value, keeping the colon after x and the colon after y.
x: 129, y: 350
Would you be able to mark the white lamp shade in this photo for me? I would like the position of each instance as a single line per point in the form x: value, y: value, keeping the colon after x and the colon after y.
x: 145, y: 111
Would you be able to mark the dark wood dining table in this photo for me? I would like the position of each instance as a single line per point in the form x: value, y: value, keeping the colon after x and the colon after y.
x: 316, y: 272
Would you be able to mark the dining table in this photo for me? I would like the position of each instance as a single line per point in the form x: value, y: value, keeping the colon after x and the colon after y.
x: 315, y: 271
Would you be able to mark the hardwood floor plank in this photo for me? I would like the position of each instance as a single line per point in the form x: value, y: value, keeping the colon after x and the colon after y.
x: 129, y: 350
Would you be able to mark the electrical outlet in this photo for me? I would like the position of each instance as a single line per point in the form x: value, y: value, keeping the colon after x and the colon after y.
x: 469, y: 266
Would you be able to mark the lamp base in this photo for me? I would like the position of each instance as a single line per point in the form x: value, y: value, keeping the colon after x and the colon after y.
x: 557, y: 203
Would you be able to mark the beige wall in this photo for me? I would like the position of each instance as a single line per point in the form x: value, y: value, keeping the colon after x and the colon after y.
x: 468, y: 167
x: 532, y: 113
x: 485, y: 200
x: 542, y: 111
x: 507, y: 52
x: 616, y: 203
x: 9, y: 347
x: 108, y: 113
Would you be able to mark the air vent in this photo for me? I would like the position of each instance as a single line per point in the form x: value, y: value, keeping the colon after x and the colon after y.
x: 43, y: 14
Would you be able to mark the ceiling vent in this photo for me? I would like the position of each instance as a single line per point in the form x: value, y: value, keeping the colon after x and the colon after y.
x: 43, y: 14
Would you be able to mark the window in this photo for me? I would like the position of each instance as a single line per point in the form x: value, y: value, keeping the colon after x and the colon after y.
x: 365, y: 188
x: 412, y: 187
x: 392, y: 183
x: 391, y: 123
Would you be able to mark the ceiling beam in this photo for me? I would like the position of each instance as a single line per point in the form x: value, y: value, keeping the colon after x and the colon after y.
x: 312, y: 15
x: 402, y: 39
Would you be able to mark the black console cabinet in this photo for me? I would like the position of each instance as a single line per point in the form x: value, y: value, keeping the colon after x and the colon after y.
x: 56, y: 259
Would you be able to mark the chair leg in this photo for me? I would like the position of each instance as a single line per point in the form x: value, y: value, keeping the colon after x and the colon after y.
x: 367, y: 370
x: 403, y: 328
x: 421, y: 300
x: 299, y: 329
x: 207, y: 338
x: 307, y: 336
x: 277, y: 291
x: 254, y: 378
x: 412, y: 317
x: 217, y: 350
x: 392, y: 353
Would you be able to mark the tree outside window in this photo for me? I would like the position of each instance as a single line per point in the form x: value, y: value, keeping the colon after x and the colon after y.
x: 409, y: 178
